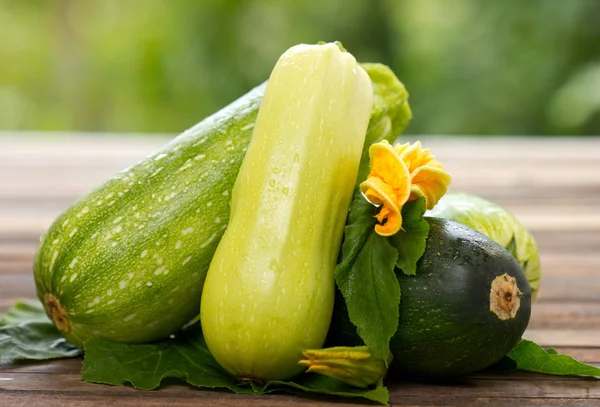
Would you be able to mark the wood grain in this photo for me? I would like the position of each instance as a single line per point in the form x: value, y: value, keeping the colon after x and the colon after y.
x: 551, y: 185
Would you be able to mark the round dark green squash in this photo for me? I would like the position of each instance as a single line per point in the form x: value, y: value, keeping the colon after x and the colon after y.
x: 466, y: 307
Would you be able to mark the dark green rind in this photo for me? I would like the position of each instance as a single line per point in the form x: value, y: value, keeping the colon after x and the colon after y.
x: 496, y: 223
x: 446, y: 327
x: 92, y: 257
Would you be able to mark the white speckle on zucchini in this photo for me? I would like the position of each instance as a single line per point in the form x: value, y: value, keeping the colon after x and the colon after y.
x: 65, y: 222
x: 209, y: 204
x: 83, y: 211
x: 149, y: 283
x: 199, y: 157
x: 186, y: 260
x: 109, y: 292
x: 170, y: 196
x: 187, y: 231
x: 73, y: 277
x: 208, y: 241
x: 144, y: 254
x: 94, y: 302
x: 73, y: 231
x: 159, y: 157
x: 110, y: 302
x: 129, y: 317
x: 247, y: 127
x: 217, y: 220
x: 178, y: 244
x: 73, y: 262
x: 54, y: 256
x: 185, y: 166
x: 122, y: 284
x: 159, y: 169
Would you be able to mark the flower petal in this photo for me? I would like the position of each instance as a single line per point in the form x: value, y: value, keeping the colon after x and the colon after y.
x: 387, y: 165
x: 390, y: 222
x: 376, y: 191
x: 430, y: 182
x: 414, y: 157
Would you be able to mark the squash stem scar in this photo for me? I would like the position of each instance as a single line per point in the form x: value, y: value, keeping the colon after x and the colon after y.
x: 57, y: 313
x: 505, y: 297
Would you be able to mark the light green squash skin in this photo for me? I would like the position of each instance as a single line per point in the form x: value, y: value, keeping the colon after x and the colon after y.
x: 100, y: 259
x: 270, y: 286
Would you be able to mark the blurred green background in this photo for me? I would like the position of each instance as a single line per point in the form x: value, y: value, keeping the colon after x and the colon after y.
x: 471, y: 66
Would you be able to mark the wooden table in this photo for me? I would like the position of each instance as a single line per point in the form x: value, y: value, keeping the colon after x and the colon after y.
x: 552, y: 185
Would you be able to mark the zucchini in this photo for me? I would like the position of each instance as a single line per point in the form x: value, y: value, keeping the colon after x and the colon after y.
x: 465, y: 309
x: 499, y: 225
x: 270, y: 286
x: 127, y: 262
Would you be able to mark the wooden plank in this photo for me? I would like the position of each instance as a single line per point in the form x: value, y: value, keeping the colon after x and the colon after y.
x: 565, y: 315
x: 551, y: 185
x: 151, y: 399
x: 585, y: 353
x: 564, y: 337
x: 18, y: 399
x: 469, y: 387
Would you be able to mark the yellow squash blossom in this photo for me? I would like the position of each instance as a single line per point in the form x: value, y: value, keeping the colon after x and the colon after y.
x: 400, y: 174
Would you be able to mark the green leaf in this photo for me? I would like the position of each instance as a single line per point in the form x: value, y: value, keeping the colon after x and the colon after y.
x: 146, y: 365
x: 27, y: 333
x: 532, y: 357
x: 367, y: 280
x: 314, y: 383
x: 410, y: 242
x: 187, y: 357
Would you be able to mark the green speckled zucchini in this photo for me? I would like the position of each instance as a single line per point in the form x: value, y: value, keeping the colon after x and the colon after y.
x: 128, y: 261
